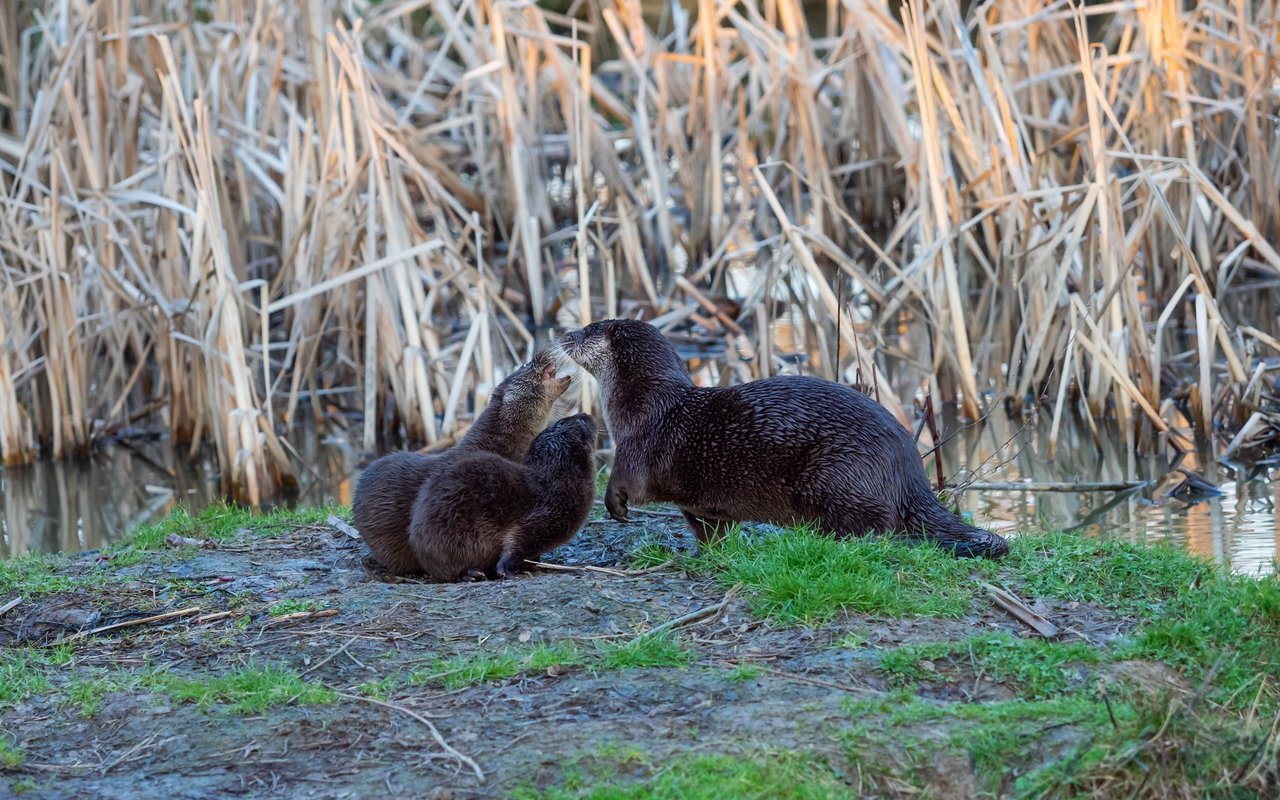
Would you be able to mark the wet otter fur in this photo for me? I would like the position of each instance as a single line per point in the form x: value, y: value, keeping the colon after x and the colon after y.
x: 518, y: 409
x: 783, y: 450
x: 485, y: 515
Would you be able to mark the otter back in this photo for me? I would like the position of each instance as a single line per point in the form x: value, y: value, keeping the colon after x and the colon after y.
x: 784, y: 450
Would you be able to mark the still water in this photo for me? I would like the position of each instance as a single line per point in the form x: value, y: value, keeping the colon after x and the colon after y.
x: 72, y: 506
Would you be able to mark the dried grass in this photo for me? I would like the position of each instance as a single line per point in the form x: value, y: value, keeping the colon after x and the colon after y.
x: 228, y: 214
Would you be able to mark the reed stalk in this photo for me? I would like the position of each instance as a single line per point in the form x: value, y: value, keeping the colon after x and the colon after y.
x: 211, y: 215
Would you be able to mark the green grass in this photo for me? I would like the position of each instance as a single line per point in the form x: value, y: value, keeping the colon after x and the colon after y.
x: 473, y: 669
x: 22, y: 786
x: 650, y: 554
x: 1122, y: 576
x: 661, y: 650
x: 295, y: 606
x: 1187, y: 613
x: 248, y: 690
x: 803, y: 577
x: 465, y: 671
x: 11, y: 756
x: 1037, y: 669
x: 1076, y: 745
x: 85, y: 695
x: 1228, y: 622
x: 558, y: 654
x: 37, y: 574
x: 25, y: 671
x: 746, y: 776
x: 744, y: 672
x: 476, y: 668
x: 219, y: 522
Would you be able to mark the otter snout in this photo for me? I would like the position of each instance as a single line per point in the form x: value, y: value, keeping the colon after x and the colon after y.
x: 571, y: 343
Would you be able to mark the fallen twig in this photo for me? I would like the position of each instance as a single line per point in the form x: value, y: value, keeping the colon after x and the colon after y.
x: 328, y: 658
x: 1057, y: 486
x: 621, y: 573
x: 1020, y: 610
x: 9, y: 606
x: 185, y: 612
x: 790, y: 676
x: 328, y: 612
x: 711, y: 612
x: 344, y: 527
x: 203, y: 618
x: 464, y: 759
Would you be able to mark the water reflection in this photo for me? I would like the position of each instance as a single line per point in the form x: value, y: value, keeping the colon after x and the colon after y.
x: 74, y: 506
x: 81, y: 505
x: 1236, y: 527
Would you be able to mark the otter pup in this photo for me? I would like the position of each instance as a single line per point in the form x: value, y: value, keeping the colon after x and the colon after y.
x: 783, y: 450
x: 383, y: 502
x: 484, y: 515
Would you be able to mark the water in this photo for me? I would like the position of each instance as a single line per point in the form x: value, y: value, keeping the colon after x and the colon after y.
x: 73, y: 506
x: 1236, y: 527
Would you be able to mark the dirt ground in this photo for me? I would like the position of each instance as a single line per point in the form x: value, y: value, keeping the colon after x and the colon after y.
x: 520, y: 732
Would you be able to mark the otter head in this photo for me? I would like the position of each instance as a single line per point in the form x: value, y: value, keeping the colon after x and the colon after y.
x: 520, y: 406
x: 571, y: 440
x: 615, y: 350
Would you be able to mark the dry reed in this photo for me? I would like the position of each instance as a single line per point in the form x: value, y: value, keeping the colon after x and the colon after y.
x: 229, y: 215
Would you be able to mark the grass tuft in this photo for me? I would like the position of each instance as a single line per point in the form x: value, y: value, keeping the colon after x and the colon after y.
x: 24, y: 672
x: 660, y: 650
x: 1036, y: 668
x: 37, y: 574
x: 804, y: 577
x: 749, y: 776
x: 248, y: 690
x: 219, y: 522
x: 744, y: 672
x: 85, y: 694
x: 1124, y: 576
x: 11, y: 756
x: 557, y: 654
x: 479, y: 668
x: 650, y: 554
x: 295, y: 606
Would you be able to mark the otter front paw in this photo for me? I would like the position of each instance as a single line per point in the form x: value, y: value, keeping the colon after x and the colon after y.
x: 472, y: 575
x: 507, y: 566
x: 615, y: 502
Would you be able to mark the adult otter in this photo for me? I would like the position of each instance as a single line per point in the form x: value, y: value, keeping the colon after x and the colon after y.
x: 484, y: 515
x: 782, y: 450
x: 383, y: 502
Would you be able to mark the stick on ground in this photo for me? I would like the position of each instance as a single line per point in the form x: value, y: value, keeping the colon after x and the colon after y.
x: 435, y: 733
x: 184, y: 612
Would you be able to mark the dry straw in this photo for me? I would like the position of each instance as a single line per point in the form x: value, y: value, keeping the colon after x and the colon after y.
x: 222, y: 217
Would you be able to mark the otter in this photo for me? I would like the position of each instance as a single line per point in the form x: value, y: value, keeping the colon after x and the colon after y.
x: 485, y: 515
x: 787, y: 450
x: 517, y: 411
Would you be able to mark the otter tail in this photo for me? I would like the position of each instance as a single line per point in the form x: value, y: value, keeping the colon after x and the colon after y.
x: 937, y: 524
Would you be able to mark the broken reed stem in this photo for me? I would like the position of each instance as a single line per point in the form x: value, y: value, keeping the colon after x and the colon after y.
x: 390, y: 206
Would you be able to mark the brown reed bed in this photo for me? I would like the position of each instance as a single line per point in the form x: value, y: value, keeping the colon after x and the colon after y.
x: 219, y: 217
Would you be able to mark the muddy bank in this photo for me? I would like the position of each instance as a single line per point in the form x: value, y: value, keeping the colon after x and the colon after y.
x: 292, y: 667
